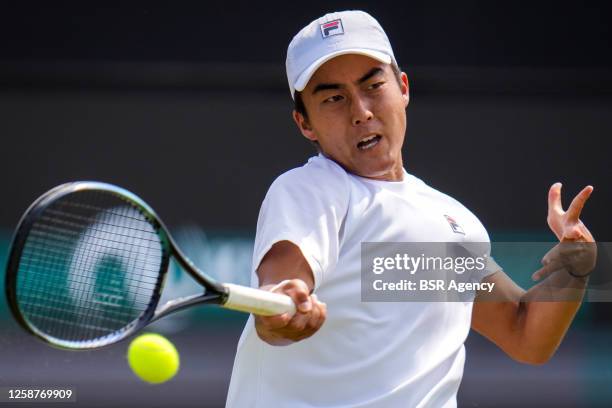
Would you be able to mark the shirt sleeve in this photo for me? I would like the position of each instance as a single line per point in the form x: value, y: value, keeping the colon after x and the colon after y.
x: 481, y: 251
x: 305, y: 206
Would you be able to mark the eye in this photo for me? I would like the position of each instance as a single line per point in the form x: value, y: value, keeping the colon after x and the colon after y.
x: 333, y: 99
x: 376, y: 85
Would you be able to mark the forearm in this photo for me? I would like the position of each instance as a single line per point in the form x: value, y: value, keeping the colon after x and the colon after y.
x: 544, y: 314
x: 285, y: 270
x: 529, y: 326
x: 284, y: 261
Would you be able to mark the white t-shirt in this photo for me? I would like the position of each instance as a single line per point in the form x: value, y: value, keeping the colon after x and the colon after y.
x: 366, y: 354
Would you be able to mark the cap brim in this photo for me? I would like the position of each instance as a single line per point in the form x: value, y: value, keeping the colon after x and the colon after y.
x: 305, y: 76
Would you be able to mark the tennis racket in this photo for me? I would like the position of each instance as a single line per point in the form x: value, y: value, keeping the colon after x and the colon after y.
x: 87, y: 267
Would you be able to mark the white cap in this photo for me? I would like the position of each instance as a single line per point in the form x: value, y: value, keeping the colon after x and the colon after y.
x: 334, y: 34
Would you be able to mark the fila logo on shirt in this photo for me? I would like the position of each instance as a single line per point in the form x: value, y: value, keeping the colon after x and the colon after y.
x: 454, y: 225
x: 332, y: 28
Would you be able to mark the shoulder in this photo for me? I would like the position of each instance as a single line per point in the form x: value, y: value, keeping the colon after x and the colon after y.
x: 319, y: 178
x: 458, y: 210
x: 439, y: 195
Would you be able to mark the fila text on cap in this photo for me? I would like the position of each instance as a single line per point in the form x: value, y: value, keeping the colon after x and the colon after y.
x: 334, y: 34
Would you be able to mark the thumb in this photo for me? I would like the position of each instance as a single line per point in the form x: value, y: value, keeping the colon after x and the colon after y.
x: 298, y: 291
x: 303, y: 302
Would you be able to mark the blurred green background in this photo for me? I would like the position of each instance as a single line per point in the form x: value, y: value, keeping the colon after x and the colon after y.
x: 206, y: 337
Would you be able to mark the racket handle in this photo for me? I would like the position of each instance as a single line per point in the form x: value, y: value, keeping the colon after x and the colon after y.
x: 257, y: 301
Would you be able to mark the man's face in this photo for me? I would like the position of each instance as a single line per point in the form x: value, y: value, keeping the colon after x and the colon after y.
x: 356, y: 113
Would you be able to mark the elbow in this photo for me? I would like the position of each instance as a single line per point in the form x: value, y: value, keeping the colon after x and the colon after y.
x: 533, y: 360
x: 534, y: 357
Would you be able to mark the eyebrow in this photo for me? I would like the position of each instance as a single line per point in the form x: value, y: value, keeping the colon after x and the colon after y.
x: 322, y: 87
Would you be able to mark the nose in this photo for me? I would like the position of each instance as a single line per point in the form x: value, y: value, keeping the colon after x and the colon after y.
x: 360, y: 112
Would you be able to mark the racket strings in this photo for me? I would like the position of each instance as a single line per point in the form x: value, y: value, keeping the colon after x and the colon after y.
x: 89, y: 268
x: 132, y: 284
x: 63, y: 218
x: 59, y: 250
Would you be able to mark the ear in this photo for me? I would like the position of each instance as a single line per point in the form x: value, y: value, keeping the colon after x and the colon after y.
x: 405, y: 88
x: 304, y: 126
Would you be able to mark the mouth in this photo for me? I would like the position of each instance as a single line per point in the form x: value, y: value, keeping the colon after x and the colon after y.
x: 369, y: 142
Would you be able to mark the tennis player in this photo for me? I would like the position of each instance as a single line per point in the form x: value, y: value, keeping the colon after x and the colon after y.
x: 350, y: 101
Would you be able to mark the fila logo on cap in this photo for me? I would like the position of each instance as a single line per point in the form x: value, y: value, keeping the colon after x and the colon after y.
x: 332, y: 28
x: 454, y: 225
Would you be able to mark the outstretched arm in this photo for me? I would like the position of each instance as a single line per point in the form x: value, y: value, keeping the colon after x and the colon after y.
x: 520, y: 322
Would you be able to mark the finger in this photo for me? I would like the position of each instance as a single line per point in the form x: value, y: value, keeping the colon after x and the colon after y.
x: 315, y: 315
x: 548, y: 256
x: 279, y: 286
x: 274, y: 322
x: 298, y: 323
x: 301, y: 299
x: 585, y: 234
x: 318, y: 315
x: 298, y: 291
x: 543, y: 272
x: 322, y: 311
x: 554, y: 199
x: 323, y: 314
x: 572, y: 234
x: 554, y: 264
x: 575, y: 208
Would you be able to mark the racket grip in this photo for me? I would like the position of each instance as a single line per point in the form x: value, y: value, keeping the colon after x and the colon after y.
x: 257, y: 301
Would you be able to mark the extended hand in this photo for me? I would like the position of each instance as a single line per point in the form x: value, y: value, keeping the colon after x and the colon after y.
x: 284, y: 329
x: 577, y: 252
x: 566, y: 224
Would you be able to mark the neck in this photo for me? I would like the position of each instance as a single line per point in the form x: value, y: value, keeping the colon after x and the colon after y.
x: 396, y: 173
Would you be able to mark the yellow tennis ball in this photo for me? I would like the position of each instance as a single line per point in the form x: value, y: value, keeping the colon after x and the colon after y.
x: 153, y: 358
